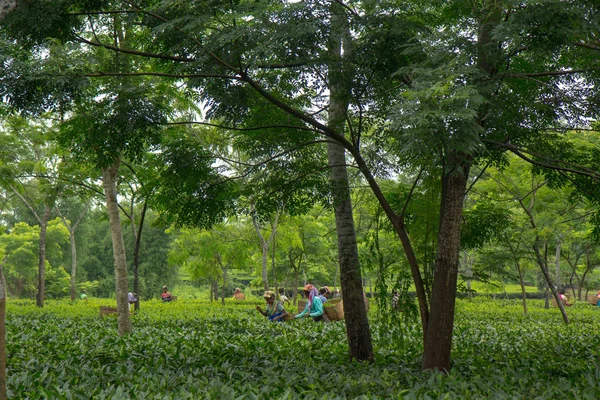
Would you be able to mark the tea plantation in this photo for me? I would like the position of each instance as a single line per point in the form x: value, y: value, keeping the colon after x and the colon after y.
x: 197, y: 350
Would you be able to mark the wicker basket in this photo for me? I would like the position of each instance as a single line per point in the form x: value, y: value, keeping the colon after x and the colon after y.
x: 239, y: 296
x: 334, y: 308
x: 593, y: 299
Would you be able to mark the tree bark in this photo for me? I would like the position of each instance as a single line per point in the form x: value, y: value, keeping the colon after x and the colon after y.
x: 357, y: 323
x: 109, y: 178
x: 438, y: 337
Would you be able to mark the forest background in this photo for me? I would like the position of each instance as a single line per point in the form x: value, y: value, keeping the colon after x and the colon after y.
x: 464, y: 130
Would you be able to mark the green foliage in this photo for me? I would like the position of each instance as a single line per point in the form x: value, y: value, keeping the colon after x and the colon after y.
x: 194, y: 349
x: 190, y: 190
x: 21, y: 248
x: 211, y: 253
x: 482, y: 224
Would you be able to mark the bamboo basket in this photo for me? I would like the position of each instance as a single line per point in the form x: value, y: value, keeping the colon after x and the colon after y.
x: 592, y: 299
x: 239, y: 296
x: 334, y: 308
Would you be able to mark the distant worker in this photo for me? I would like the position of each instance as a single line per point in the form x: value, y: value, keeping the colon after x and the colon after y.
x: 324, y: 294
x: 166, y: 295
x: 283, y: 298
x: 336, y: 294
x: 275, y: 310
x: 314, y: 306
x: 238, y: 295
x: 83, y: 296
x: 563, y: 298
x: 598, y: 296
x: 131, y: 299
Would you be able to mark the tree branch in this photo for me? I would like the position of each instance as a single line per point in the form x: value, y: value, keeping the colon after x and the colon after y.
x: 133, y: 52
x: 576, y: 169
x: 549, y: 73
x: 234, y: 128
x: 587, y: 46
x: 182, y: 76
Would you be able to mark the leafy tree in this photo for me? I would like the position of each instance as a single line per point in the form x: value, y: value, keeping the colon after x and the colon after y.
x: 211, y: 253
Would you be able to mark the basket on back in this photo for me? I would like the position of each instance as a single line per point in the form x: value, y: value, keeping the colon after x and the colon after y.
x: 239, y: 296
x: 334, y: 308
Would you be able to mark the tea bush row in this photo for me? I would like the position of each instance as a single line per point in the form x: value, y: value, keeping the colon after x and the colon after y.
x: 197, y: 350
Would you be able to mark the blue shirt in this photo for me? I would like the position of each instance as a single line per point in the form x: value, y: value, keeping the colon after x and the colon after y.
x: 316, y: 309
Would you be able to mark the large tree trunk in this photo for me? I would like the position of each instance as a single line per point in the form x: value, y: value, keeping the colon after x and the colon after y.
x: 438, y: 337
x: 3, y: 296
x: 357, y: 323
x: 42, y: 256
x: 109, y: 178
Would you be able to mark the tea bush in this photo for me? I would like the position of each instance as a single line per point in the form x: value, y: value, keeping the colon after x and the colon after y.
x: 195, y: 350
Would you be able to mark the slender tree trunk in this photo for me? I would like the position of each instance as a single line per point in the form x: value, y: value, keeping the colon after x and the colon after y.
x: 136, y: 255
x: 224, y: 285
x: 551, y: 286
x: 438, y: 337
x: 522, y: 282
x: 73, y: 243
x: 42, y: 256
x: 73, y: 266
x: 264, y: 245
x: 296, y: 270
x: 468, y: 271
x: 43, y: 221
x: 273, y: 264
x: 109, y: 178
x: 3, y: 296
x: 557, y: 264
